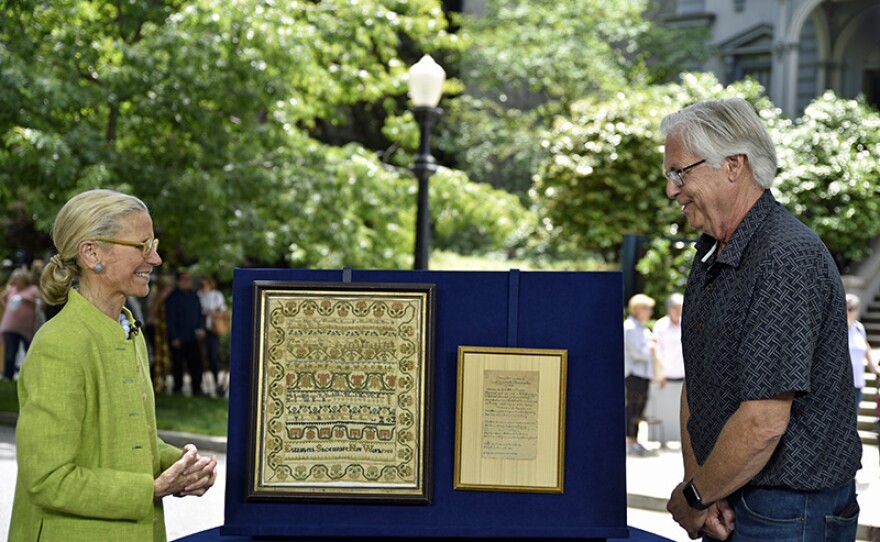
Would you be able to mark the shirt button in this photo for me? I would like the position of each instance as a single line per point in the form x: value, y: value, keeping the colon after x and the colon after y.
x: 144, y: 397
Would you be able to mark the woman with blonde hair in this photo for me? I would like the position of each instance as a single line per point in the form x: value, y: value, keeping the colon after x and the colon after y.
x: 638, y: 362
x: 90, y: 463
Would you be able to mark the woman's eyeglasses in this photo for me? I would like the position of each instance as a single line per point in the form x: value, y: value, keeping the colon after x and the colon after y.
x: 147, y: 247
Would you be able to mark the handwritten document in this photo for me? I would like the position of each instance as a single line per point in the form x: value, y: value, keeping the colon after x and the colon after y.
x: 510, y: 415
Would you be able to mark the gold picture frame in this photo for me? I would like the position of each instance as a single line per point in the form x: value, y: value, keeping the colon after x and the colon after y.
x: 510, y: 420
x: 341, y: 392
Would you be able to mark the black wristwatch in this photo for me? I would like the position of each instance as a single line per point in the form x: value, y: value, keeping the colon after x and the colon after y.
x: 692, y: 496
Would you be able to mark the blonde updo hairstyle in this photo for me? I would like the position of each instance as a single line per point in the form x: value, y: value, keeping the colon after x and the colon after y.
x: 89, y: 215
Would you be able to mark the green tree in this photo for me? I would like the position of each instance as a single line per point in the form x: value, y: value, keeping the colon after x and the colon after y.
x: 829, y: 173
x: 224, y: 117
x: 474, y: 218
x: 526, y: 62
x: 665, y: 267
x: 602, y: 177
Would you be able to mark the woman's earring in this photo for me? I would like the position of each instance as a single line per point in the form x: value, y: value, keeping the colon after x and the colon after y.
x: 99, y: 268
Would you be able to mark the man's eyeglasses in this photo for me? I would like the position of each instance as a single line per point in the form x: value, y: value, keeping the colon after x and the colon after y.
x: 676, y: 176
x: 146, y: 247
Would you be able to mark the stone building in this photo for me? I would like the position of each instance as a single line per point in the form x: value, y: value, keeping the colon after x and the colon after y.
x: 796, y: 48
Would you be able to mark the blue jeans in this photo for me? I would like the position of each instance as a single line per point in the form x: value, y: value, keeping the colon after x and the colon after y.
x: 785, y: 515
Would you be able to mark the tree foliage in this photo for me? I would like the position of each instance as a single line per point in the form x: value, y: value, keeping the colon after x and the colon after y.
x: 603, y: 174
x: 602, y: 178
x: 473, y: 218
x: 830, y: 173
x: 217, y: 114
x: 526, y: 62
x: 665, y: 266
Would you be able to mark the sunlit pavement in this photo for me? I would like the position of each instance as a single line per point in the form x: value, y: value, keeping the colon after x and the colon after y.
x: 650, y: 480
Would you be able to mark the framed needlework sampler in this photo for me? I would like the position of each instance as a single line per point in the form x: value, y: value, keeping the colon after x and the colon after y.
x: 341, y: 392
x: 510, y: 419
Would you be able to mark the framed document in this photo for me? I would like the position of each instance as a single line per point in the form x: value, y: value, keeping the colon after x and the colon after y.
x: 510, y: 419
x: 341, y: 392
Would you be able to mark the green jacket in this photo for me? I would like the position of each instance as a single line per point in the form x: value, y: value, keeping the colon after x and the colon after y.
x: 86, y: 437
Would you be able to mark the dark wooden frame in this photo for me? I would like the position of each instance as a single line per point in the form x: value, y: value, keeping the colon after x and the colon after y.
x: 406, y: 476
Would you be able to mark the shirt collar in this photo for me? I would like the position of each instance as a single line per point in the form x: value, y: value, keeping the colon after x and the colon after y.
x: 732, y: 253
x: 93, y: 314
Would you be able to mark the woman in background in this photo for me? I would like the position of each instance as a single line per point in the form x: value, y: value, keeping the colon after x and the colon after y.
x: 90, y: 463
x: 20, y: 301
x: 213, y: 309
x: 859, y: 349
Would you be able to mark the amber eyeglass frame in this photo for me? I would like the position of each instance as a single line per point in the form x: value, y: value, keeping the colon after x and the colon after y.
x: 147, y: 247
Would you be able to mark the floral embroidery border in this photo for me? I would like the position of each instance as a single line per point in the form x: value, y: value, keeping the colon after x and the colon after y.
x: 342, y: 376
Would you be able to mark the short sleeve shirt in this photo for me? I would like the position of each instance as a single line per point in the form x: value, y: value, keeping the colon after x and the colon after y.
x: 765, y: 317
x: 637, y: 358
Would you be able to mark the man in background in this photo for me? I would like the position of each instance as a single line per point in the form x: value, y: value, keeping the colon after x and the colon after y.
x: 664, y: 403
x: 184, y: 327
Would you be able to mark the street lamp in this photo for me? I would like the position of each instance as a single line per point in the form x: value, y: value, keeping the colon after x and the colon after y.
x: 425, y: 87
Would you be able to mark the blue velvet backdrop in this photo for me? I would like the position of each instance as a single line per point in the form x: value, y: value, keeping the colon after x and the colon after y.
x: 578, y: 311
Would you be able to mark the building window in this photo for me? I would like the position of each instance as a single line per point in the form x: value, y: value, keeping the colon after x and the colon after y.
x: 757, y: 67
x: 739, y: 5
x: 871, y: 87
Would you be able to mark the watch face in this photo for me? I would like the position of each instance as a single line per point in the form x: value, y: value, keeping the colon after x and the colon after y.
x: 692, y: 496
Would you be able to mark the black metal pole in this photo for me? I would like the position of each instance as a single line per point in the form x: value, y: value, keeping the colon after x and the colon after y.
x: 424, y: 166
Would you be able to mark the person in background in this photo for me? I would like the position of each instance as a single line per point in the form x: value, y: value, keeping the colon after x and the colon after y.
x: 664, y: 401
x: 90, y: 463
x: 184, y: 327
x: 156, y: 333
x: 20, y: 300
x: 769, y: 443
x: 859, y: 349
x: 638, y: 360
x: 213, y: 308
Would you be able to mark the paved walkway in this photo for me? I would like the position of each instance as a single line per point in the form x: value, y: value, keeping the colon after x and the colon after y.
x: 649, y: 482
x: 183, y: 517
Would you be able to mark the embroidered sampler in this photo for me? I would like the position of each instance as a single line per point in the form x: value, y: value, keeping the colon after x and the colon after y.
x: 342, y: 392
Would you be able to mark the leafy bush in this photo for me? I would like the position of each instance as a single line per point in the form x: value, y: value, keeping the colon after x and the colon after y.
x: 665, y: 268
x: 474, y: 218
x: 525, y: 62
x: 830, y: 173
x: 603, y: 176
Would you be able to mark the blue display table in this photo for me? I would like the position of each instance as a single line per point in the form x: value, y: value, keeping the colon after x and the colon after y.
x: 579, y: 312
x: 213, y: 535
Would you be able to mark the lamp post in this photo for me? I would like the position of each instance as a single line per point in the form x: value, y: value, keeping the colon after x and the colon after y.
x: 425, y: 88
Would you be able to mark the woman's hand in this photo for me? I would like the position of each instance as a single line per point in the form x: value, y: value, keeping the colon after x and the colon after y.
x: 202, y: 474
x: 190, y: 475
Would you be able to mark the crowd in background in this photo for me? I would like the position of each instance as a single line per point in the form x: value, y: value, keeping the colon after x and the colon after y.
x: 654, y: 367
x: 183, y: 326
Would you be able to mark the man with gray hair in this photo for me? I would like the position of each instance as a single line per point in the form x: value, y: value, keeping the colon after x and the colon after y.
x: 769, y: 442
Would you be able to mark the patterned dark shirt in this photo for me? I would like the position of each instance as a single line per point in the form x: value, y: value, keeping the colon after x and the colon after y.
x: 765, y: 317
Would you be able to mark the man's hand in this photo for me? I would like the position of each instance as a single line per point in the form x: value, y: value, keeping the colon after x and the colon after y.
x: 720, y: 520
x: 717, y: 521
